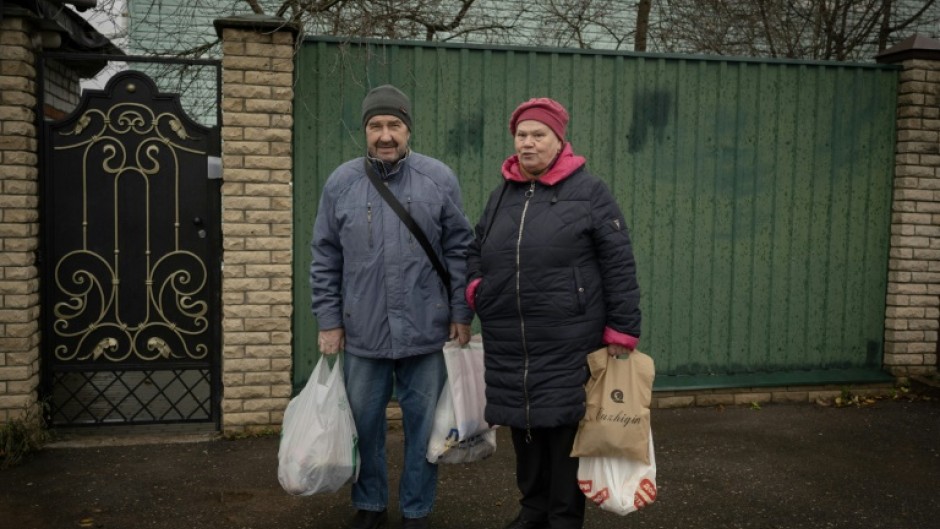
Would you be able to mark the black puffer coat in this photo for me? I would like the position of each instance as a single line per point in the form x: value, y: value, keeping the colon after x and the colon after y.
x: 556, y: 268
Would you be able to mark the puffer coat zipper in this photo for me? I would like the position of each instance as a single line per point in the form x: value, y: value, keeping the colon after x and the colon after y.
x: 525, y: 351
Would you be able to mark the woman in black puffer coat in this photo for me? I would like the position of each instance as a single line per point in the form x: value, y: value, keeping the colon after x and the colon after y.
x: 552, y: 278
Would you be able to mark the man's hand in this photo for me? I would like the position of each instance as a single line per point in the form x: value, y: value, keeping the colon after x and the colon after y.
x: 460, y: 332
x: 332, y: 341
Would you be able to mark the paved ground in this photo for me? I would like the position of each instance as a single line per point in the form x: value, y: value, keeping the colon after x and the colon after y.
x: 783, y: 466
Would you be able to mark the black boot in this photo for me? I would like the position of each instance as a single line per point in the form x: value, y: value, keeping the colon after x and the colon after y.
x: 522, y: 522
x: 415, y: 523
x: 368, y: 519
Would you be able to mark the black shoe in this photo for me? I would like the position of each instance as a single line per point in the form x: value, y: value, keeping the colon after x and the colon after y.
x: 368, y: 519
x: 521, y: 522
x: 415, y: 523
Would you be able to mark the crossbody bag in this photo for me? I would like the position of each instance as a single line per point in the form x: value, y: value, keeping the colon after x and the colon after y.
x: 410, y: 223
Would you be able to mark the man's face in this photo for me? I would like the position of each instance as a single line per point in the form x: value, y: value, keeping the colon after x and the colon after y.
x: 387, y: 138
x: 536, y: 146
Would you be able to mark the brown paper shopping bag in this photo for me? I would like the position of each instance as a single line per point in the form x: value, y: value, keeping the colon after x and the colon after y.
x: 617, y: 420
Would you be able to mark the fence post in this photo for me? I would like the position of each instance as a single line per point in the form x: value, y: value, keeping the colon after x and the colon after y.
x: 19, y: 220
x: 257, y: 121
x: 913, y: 302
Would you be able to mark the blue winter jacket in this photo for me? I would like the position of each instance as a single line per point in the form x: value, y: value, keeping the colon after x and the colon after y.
x: 370, y: 276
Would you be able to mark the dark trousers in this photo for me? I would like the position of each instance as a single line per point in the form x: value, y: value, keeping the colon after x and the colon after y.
x: 547, y: 476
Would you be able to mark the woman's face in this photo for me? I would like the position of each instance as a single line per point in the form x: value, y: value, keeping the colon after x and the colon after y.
x: 536, y: 146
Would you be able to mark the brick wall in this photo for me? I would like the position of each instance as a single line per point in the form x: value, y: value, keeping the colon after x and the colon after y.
x: 913, y: 301
x: 19, y: 226
x: 257, y: 94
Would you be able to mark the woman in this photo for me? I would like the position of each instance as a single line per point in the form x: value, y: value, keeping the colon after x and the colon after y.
x: 552, y: 277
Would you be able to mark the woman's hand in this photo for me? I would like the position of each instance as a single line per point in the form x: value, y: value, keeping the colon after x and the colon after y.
x: 617, y: 350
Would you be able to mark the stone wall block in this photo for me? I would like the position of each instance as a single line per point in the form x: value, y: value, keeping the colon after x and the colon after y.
x: 246, y: 91
x: 268, y: 190
x: 270, y: 106
x: 267, y: 162
x: 270, y: 79
x: 247, y: 119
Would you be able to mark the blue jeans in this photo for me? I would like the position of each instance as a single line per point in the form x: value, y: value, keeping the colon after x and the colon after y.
x: 418, y: 383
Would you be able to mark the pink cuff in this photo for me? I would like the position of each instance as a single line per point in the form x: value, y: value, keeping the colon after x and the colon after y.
x: 618, y: 338
x: 470, y: 293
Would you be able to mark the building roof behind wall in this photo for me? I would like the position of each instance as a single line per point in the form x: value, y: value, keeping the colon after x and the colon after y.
x: 63, y: 30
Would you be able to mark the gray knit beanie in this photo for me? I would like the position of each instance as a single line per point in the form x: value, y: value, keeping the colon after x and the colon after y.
x: 386, y: 100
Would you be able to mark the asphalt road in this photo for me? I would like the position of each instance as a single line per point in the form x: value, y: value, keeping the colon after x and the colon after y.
x: 781, y: 467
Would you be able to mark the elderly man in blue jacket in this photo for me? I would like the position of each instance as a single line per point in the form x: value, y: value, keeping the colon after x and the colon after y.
x: 377, y: 296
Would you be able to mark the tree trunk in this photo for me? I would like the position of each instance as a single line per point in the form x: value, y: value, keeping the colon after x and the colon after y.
x: 642, y: 24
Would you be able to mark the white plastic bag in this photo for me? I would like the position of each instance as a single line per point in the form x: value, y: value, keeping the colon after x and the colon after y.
x: 468, y: 390
x: 460, y: 433
x: 618, y: 484
x: 318, y: 450
x: 446, y: 445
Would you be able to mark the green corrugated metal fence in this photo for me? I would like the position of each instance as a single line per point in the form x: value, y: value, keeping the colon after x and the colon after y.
x: 758, y: 193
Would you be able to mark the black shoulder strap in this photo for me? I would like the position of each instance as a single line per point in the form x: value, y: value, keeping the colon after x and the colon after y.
x: 405, y: 217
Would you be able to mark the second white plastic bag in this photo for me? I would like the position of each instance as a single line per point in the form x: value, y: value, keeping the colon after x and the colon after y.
x: 618, y: 484
x: 460, y: 433
x: 446, y: 445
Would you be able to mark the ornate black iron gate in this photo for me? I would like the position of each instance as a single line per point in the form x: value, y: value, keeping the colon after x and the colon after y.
x: 131, y: 261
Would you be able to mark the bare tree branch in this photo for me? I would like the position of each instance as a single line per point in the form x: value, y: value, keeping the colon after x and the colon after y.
x: 811, y: 29
x: 913, y: 18
x: 434, y: 27
x: 255, y: 8
x: 819, y: 29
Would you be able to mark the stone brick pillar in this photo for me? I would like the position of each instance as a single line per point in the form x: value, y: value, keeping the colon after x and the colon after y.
x: 19, y: 221
x: 257, y: 223
x: 913, y: 302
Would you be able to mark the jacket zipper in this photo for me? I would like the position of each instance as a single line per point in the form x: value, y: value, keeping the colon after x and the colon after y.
x: 409, y: 213
x: 525, y: 350
x: 369, y: 221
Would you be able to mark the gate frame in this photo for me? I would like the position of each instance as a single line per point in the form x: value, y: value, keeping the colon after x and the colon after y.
x: 214, y: 278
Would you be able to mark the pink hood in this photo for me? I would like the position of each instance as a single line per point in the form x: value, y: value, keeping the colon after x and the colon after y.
x: 567, y: 163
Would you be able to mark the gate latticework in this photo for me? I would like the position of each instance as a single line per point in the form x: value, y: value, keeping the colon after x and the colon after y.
x: 131, y: 261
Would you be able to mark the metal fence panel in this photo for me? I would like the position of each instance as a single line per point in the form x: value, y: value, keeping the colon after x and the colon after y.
x: 758, y: 193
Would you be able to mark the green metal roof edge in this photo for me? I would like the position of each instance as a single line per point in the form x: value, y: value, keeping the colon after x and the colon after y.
x: 578, y: 51
x: 790, y: 378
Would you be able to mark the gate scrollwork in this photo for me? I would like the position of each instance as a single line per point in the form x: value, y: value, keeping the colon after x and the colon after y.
x: 136, y: 152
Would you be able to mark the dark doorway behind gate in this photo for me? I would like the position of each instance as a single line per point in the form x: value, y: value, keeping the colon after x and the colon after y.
x: 130, y: 260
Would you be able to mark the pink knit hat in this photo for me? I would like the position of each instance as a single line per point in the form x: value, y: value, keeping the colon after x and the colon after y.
x: 544, y: 110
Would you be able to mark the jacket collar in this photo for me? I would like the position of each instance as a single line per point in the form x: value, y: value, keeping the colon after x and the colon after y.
x: 387, y: 170
x: 564, y: 166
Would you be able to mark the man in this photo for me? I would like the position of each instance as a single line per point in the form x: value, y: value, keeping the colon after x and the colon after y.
x: 377, y: 296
